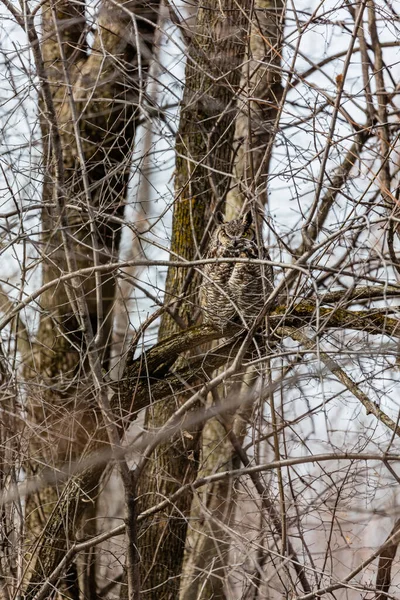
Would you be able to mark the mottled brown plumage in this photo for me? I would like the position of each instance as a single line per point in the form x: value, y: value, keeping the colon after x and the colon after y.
x: 235, y: 292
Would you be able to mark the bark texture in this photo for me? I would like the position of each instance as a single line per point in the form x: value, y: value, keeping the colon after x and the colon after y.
x: 207, y: 555
x: 208, y: 543
x: 386, y: 558
x: 95, y: 99
x: 204, y: 154
x: 259, y: 106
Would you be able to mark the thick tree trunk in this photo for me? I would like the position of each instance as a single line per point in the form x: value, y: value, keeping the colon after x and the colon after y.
x: 259, y: 107
x: 207, y: 556
x: 92, y: 107
x: 208, y: 544
x: 204, y: 154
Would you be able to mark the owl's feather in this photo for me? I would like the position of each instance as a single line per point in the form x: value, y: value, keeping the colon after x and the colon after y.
x: 235, y: 292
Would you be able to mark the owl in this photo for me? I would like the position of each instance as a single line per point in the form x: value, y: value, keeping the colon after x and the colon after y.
x: 235, y: 292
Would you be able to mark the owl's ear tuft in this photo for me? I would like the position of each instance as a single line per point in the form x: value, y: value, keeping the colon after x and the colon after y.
x: 247, y: 219
x: 219, y: 217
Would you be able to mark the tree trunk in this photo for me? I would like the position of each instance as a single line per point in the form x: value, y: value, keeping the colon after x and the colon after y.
x: 259, y: 107
x: 204, y: 154
x: 89, y: 111
x: 208, y: 544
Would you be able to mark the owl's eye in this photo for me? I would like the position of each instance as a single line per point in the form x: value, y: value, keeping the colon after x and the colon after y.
x: 249, y: 234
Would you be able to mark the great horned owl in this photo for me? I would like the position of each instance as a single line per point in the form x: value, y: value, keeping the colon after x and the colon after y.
x: 235, y: 292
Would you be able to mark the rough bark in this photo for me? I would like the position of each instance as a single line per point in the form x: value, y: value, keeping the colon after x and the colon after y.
x: 208, y: 544
x: 386, y: 558
x: 259, y: 106
x: 204, y: 142
x: 204, y: 151
x: 95, y: 99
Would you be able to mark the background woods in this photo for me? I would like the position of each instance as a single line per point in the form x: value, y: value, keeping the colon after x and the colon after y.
x: 144, y: 453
